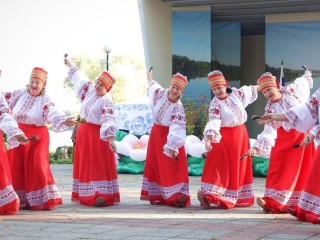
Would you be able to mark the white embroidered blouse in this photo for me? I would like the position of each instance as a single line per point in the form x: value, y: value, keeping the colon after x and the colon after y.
x: 169, y: 114
x: 292, y: 95
x: 95, y: 109
x: 229, y: 112
x: 35, y: 110
x: 306, y: 116
x: 8, y: 125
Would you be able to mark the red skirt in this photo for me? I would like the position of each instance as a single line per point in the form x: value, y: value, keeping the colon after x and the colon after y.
x: 288, y: 171
x: 30, y: 169
x: 94, y: 168
x: 226, y: 180
x: 9, y: 201
x: 309, y: 203
x: 164, y: 179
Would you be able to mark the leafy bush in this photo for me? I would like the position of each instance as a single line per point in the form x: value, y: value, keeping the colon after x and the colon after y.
x: 63, y: 155
x: 196, y: 115
x: 61, y: 161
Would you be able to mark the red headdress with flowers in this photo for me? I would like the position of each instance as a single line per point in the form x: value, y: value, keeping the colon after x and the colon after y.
x: 216, y: 78
x: 40, y: 74
x: 179, y: 81
x: 267, y: 80
x: 107, y: 80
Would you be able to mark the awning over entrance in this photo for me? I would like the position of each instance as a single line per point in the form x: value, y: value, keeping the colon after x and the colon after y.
x: 251, y: 13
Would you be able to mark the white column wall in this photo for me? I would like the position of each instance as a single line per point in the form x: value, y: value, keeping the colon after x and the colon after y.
x: 156, y: 28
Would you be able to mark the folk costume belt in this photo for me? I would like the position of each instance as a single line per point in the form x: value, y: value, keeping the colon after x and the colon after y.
x: 82, y: 120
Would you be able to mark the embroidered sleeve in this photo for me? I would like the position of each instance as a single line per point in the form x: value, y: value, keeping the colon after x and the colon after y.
x: 8, y: 125
x: 300, y: 88
x: 304, y: 116
x: 155, y: 91
x: 247, y: 94
x: 316, y: 132
x: 291, y: 116
x: 12, y: 98
x: 108, y: 120
x: 307, y: 75
x: 300, y: 118
x: 213, y: 126
x: 80, y: 82
x: 51, y: 115
x: 265, y: 140
x: 177, y: 130
x: 72, y: 71
x: 4, y: 108
x: 313, y: 105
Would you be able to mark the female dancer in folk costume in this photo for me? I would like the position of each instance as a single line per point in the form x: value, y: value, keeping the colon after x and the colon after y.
x: 288, y: 167
x: 226, y: 180
x: 9, y: 200
x: 304, y: 117
x: 165, y: 178
x: 31, y: 175
x: 95, y: 179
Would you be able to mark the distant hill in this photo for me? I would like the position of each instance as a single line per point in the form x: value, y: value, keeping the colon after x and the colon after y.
x: 290, y: 74
x: 200, y: 69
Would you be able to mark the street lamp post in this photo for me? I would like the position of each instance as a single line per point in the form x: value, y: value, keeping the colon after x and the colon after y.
x: 107, y: 50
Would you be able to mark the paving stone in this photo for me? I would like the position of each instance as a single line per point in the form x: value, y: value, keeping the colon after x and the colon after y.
x: 134, y: 219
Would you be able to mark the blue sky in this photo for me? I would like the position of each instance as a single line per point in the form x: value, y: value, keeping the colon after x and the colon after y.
x: 191, y: 32
x: 297, y: 43
x: 39, y: 32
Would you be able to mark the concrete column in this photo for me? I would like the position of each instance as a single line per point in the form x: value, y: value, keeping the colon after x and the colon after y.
x: 252, y: 67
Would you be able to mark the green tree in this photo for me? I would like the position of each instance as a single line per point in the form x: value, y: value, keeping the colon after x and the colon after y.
x: 129, y: 72
x: 130, y: 75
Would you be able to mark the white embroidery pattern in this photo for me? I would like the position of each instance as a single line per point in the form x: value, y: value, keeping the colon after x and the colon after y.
x: 154, y: 189
x: 309, y: 202
x: 22, y: 114
x: 39, y: 197
x: 90, y: 188
x: 285, y: 197
x: 7, y: 195
x: 89, y: 105
x: 244, y: 192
